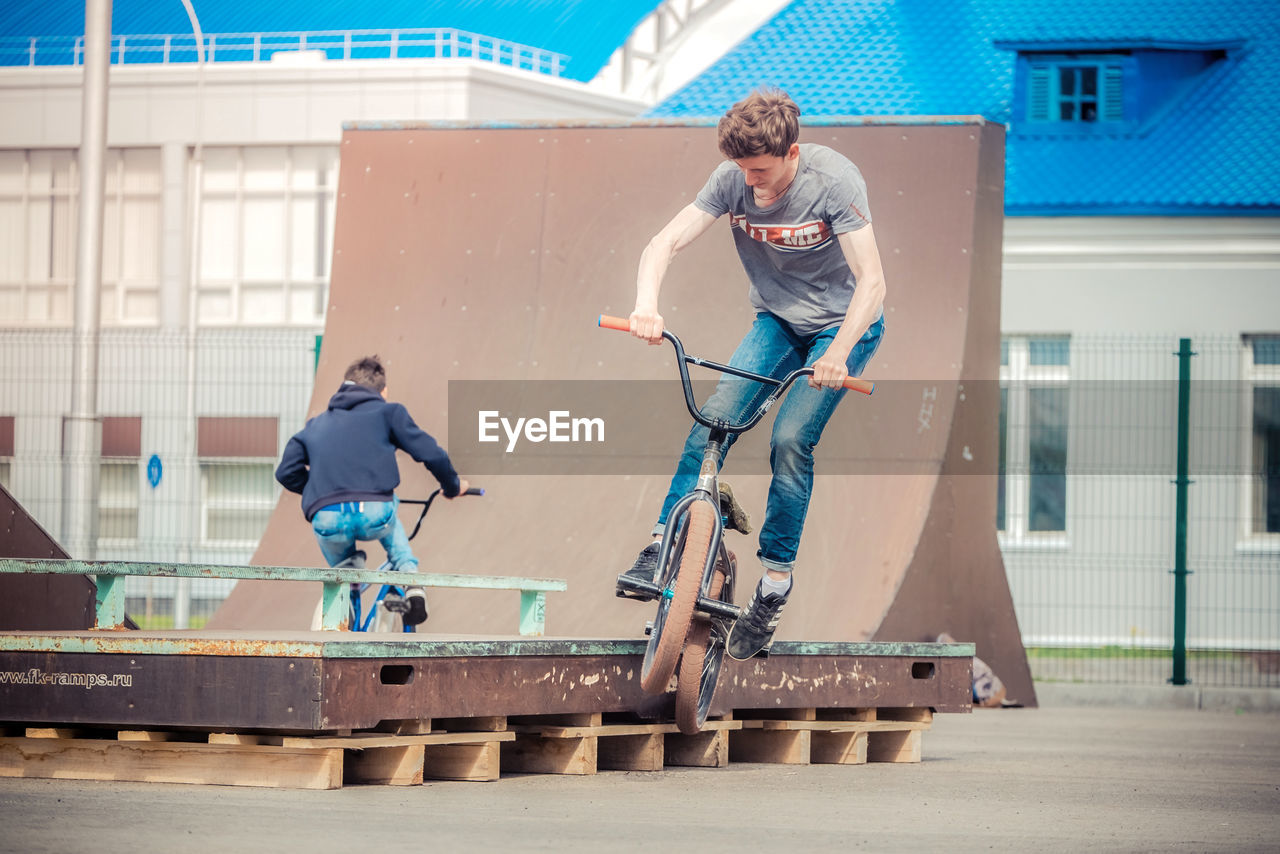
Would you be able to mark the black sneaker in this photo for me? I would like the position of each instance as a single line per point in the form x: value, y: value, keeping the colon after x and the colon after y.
x: 416, y: 600
x: 645, y: 568
x: 753, y: 630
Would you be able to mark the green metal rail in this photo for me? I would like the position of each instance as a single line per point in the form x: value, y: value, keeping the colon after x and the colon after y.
x: 335, y: 602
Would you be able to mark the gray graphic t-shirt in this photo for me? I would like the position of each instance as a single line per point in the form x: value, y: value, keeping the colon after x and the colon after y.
x: 789, y: 249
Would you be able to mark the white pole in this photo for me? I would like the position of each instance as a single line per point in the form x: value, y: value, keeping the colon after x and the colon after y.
x: 182, y: 595
x: 82, y: 429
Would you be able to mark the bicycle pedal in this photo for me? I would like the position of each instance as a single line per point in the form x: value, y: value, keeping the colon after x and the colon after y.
x: 395, y: 605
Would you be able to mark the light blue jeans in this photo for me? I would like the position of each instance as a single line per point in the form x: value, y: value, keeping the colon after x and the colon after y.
x: 339, y: 526
x: 773, y: 349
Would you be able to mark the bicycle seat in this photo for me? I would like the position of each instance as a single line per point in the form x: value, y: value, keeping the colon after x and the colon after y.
x: 356, y: 561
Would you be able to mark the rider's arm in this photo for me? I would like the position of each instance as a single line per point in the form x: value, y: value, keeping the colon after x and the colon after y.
x: 292, y: 473
x: 423, y: 447
x: 863, y: 256
x: 686, y: 227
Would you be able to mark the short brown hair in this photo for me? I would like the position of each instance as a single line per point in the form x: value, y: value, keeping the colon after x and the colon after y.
x: 368, y: 372
x: 765, y: 122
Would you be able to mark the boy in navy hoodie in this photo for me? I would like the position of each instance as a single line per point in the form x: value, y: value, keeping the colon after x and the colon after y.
x: 343, y: 464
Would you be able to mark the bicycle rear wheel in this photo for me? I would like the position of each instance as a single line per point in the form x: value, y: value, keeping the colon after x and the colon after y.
x: 675, y: 604
x: 700, y: 664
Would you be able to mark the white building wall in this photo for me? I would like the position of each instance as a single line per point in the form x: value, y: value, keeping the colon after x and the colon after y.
x: 284, y: 103
x: 1125, y: 290
x: 240, y: 371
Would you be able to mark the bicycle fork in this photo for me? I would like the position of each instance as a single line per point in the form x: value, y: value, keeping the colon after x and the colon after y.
x: 721, y: 613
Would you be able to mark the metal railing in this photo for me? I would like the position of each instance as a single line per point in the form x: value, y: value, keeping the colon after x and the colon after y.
x: 333, y: 45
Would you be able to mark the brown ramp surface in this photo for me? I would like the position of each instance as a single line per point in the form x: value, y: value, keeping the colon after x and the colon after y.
x: 471, y: 254
x: 39, y: 602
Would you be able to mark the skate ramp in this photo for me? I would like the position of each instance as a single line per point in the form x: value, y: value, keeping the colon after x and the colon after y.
x: 45, y: 601
x: 466, y: 254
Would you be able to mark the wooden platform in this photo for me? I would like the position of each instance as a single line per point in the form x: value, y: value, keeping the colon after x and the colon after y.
x: 317, y: 710
x: 479, y: 750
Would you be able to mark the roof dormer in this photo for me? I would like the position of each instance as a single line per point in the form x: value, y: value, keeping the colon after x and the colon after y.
x: 1096, y: 88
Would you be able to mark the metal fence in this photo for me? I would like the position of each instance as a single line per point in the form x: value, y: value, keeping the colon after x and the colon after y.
x: 1142, y: 569
x: 335, y: 45
x: 1088, y: 489
x: 191, y: 432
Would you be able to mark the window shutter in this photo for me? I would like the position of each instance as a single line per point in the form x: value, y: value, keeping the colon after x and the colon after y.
x: 1038, y: 93
x: 1112, y: 94
x: 1037, y: 88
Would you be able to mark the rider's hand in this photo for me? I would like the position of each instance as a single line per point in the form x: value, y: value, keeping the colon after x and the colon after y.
x: 647, y: 324
x: 463, y: 486
x: 829, y: 371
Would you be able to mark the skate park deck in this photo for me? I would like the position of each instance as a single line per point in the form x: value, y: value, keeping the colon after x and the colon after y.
x: 317, y: 709
x: 333, y: 681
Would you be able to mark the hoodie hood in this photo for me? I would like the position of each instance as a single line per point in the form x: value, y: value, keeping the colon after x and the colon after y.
x: 350, y: 395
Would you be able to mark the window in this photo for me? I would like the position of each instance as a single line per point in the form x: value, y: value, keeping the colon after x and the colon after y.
x: 266, y: 234
x: 237, y: 479
x: 1107, y: 89
x: 237, y: 497
x: 119, y: 479
x: 1080, y: 89
x: 6, y: 452
x: 39, y: 194
x: 1031, y: 498
x: 1262, y: 371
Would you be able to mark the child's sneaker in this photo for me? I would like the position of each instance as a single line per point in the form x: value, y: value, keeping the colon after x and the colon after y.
x: 416, y: 600
x: 645, y: 568
x: 753, y: 630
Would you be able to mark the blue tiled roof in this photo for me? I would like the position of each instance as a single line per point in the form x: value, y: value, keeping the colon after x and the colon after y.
x: 1213, y: 151
x: 588, y: 31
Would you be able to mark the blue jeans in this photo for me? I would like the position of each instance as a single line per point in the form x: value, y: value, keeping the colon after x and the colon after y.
x: 338, y: 526
x: 773, y: 349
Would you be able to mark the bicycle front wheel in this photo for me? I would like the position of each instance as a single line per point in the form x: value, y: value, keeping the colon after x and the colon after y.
x: 700, y: 664
x: 676, y: 601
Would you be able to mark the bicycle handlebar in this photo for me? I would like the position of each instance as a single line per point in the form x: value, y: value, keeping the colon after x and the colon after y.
x: 426, y: 505
x: 622, y: 324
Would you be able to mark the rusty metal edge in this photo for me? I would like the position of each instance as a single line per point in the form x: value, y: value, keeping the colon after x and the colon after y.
x: 611, y: 124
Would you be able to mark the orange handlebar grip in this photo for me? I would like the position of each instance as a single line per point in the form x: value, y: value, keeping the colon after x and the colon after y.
x: 860, y: 385
x: 621, y: 324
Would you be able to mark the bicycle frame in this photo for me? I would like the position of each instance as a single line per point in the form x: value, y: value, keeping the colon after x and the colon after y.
x: 361, y: 622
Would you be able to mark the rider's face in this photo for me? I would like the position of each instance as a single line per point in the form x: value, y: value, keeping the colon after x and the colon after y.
x: 767, y: 173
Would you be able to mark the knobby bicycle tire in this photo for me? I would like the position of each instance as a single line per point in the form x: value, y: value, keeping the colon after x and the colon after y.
x: 696, y: 682
x: 667, y: 640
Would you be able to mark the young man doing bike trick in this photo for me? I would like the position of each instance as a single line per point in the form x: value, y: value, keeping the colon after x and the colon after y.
x: 802, y: 228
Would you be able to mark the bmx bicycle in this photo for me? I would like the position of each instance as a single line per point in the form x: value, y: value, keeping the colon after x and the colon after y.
x: 389, y: 607
x: 695, y: 578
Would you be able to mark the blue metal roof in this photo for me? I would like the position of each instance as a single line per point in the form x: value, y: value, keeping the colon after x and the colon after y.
x: 588, y: 31
x: 1212, y: 150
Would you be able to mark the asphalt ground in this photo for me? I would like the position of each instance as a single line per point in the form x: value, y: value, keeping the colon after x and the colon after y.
x: 1058, y: 778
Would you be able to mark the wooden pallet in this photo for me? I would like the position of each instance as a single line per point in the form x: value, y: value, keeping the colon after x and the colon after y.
x: 475, y: 749
x: 240, y: 759
x: 585, y: 744
x: 831, y: 736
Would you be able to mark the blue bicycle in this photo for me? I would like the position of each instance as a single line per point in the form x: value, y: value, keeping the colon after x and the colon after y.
x: 397, y: 607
